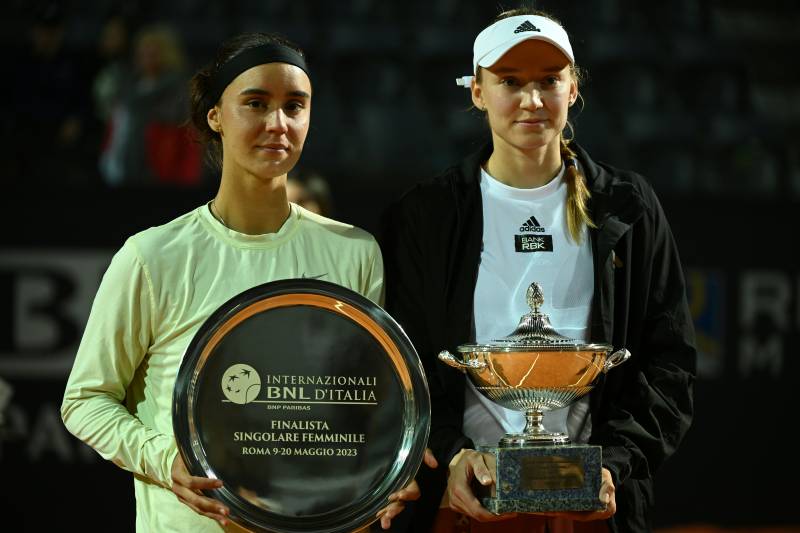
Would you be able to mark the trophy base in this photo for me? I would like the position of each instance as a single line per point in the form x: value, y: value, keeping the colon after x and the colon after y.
x: 541, y: 478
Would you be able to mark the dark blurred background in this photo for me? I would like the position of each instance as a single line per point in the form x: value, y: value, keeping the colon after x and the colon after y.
x: 700, y: 96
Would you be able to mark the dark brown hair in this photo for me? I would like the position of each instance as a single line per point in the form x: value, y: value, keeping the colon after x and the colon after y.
x: 200, y: 87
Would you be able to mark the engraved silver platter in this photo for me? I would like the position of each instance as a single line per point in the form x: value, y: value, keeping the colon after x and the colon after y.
x: 308, y: 401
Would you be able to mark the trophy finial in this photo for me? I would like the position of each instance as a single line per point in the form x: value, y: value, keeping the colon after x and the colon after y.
x: 535, y: 296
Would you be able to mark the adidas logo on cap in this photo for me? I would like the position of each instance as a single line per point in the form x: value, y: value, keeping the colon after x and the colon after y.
x: 526, y: 26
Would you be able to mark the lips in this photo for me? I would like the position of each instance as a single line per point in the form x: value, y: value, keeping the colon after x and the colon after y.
x: 274, y: 147
x: 531, y: 121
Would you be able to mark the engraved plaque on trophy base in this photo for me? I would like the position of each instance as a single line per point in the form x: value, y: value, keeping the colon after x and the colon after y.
x: 545, y: 478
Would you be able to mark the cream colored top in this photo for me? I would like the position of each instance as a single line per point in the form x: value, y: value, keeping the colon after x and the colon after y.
x: 157, y: 292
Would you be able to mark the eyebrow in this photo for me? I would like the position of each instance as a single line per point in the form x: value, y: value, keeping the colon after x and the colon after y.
x: 262, y: 92
x: 508, y: 70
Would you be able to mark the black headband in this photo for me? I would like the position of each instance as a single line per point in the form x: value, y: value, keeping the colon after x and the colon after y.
x: 249, y: 58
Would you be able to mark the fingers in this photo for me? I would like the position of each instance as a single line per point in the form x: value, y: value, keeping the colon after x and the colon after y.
x: 390, y: 512
x: 477, y: 464
x: 608, y: 494
x: 188, y: 490
x: 463, y: 501
x: 196, y: 498
x: 195, y: 483
x: 220, y: 516
x: 408, y: 493
x: 181, y: 476
x: 201, y: 504
x: 429, y: 459
x: 607, y: 497
x: 471, y: 465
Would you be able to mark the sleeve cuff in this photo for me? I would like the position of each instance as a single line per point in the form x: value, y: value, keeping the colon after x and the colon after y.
x: 166, y: 468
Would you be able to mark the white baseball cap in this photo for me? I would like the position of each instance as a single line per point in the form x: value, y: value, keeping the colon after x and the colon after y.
x: 492, y: 43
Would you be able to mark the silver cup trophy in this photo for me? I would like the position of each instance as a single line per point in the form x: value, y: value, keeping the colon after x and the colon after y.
x: 535, y: 369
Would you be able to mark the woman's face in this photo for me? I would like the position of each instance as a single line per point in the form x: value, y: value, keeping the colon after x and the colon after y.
x: 263, y: 118
x: 526, y: 95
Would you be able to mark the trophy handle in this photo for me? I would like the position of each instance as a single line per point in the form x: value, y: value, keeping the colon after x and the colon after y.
x: 450, y: 359
x: 616, y: 359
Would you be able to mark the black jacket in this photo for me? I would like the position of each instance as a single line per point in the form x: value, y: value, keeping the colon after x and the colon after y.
x: 641, y: 409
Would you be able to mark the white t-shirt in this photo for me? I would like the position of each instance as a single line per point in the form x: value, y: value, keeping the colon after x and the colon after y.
x: 526, y: 239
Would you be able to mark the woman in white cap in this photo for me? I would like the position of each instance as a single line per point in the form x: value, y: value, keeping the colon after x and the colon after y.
x: 531, y: 205
x: 252, y: 105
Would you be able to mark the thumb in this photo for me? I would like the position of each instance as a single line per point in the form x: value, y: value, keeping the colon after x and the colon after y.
x: 480, y: 470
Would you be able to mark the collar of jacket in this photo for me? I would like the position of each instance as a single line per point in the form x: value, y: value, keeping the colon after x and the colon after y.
x: 615, y: 204
x: 610, y: 195
x: 612, y: 198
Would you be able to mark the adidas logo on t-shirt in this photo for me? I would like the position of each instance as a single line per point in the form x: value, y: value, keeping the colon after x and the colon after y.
x: 532, y: 243
x: 532, y: 225
x: 526, y: 26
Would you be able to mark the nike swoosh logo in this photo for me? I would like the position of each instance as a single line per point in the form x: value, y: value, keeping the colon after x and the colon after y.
x: 313, y: 277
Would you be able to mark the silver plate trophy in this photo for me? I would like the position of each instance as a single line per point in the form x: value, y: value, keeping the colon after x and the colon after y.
x: 308, y: 401
x: 535, y: 370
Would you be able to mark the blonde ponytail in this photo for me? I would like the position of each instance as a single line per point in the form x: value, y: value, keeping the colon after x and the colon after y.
x: 577, y: 194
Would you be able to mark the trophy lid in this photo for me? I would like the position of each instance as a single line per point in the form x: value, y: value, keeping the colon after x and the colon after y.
x: 533, y: 333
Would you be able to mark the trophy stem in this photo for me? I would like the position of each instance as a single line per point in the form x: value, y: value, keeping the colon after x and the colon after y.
x: 533, y: 422
x: 534, y: 433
